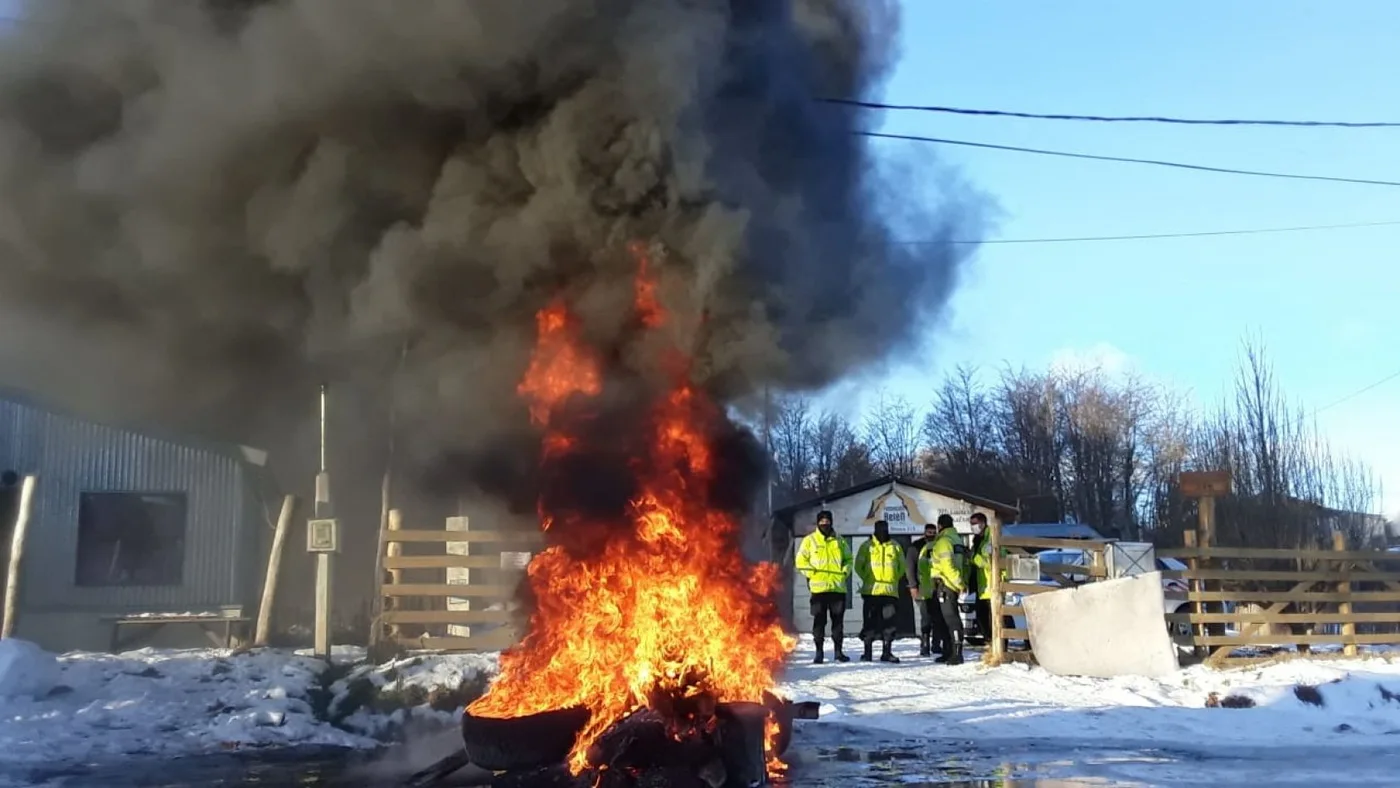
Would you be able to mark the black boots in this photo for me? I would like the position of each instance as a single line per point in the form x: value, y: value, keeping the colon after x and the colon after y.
x: 865, y: 655
x: 886, y: 655
x: 954, y: 655
x: 924, y: 649
x: 821, y: 651
x: 840, y: 652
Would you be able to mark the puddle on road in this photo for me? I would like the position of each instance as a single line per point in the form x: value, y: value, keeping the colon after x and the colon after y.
x: 912, y: 766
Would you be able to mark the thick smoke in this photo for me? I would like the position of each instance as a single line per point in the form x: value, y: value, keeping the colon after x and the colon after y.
x: 212, y: 206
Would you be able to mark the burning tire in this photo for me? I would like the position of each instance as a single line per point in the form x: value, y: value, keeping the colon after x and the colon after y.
x: 512, y: 743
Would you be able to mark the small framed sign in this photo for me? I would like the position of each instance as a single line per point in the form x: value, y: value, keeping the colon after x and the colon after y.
x: 322, y: 536
x: 515, y: 560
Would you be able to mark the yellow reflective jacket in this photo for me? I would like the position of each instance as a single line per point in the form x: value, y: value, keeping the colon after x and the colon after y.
x: 879, y: 566
x: 982, y: 564
x: 826, y: 563
x: 942, y: 561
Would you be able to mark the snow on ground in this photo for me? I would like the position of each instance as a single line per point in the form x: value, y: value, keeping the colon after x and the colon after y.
x: 1359, y: 698
x: 84, y: 707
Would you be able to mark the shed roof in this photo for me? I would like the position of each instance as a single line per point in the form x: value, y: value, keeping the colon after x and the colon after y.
x: 246, y: 454
x: 1001, y: 508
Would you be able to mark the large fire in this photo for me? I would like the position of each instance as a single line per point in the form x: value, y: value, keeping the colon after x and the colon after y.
x: 663, y: 608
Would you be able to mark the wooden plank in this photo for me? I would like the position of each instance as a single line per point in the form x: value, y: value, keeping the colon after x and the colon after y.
x: 1282, y: 554
x: 495, y: 640
x: 449, y: 616
x: 514, y: 537
x: 1205, y: 484
x: 441, y: 561
x: 1283, y: 640
x: 1027, y: 588
x: 1247, y: 595
x: 1036, y: 543
x: 1013, y: 610
x: 463, y: 590
x: 1015, y: 634
x: 1261, y: 574
x: 1285, y: 618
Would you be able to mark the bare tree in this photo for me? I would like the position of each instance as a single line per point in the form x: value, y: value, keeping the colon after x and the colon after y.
x: 839, y: 459
x: 1027, y: 418
x: 892, y: 433
x: 1104, y: 426
x: 791, y: 433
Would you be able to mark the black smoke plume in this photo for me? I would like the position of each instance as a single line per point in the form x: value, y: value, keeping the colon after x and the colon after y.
x: 211, y: 206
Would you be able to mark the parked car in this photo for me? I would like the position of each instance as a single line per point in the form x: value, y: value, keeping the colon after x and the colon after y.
x: 1174, y: 590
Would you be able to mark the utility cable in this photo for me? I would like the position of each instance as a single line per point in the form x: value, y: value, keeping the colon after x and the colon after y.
x: 1115, y: 118
x: 1124, y: 159
x: 1153, y: 236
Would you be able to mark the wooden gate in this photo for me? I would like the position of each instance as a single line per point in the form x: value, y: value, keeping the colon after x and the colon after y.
x: 455, y: 589
x: 1005, y: 549
x: 1260, y: 598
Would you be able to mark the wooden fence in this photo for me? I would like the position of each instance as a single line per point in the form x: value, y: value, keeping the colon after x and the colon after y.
x: 455, y: 590
x: 1005, y: 552
x: 1274, y: 598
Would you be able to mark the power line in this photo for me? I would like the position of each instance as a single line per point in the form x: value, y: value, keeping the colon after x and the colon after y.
x: 1359, y: 392
x: 1124, y: 159
x: 1115, y: 118
x: 1152, y: 236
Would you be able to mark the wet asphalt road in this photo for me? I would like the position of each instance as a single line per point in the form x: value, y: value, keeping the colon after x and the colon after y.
x: 822, y: 756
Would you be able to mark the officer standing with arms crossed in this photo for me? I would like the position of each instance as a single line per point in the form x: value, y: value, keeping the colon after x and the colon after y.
x: 879, y: 563
x: 825, y: 560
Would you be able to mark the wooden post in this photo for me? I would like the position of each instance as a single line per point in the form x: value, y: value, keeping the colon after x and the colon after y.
x: 394, y: 550
x: 996, y: 652
x: 12, y: 577
x: 376, y: 611
x: 323, y: 572
x: 1339, y: 543
x: 274, y: 565
x: 1205, y: 487
x: 1197, y: 607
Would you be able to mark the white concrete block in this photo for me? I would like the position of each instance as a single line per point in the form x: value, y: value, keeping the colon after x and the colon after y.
x: 1102, y: 630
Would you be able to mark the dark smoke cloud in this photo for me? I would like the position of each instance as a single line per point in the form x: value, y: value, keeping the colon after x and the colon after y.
x: 211, y: 206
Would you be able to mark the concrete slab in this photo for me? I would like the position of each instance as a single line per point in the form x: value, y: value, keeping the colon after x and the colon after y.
x: 1102, y: 630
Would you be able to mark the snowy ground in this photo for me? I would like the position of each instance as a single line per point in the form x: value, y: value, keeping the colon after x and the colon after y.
x: 1360, y: 700
x: 91, y: 708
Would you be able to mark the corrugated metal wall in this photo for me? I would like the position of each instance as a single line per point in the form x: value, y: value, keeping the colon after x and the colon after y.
x: 72, y: 457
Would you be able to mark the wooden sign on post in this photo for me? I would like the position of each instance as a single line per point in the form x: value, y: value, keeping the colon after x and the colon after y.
x: 1205, y: 484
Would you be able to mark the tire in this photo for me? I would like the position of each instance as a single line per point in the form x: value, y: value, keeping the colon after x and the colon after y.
x: 530, y: 742
x: 782, y: 712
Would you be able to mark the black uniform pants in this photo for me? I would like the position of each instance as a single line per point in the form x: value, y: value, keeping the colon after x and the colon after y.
x: 948, y: 627
x: 929, y: 618
x: 831, y: 604
x: 877, y: 619
x: 984, y: 619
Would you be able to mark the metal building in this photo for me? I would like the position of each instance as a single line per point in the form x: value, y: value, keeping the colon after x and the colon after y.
x: 126, y: 524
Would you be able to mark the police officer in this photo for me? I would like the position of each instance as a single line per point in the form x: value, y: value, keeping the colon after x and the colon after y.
x: 921, y: 589
x: 945, y: 575
x: 879, y: 563
x: 980, y: 576
x: 825, y: 560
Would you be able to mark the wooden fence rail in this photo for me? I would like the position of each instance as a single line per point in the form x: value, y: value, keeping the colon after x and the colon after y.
x: 1271, y: 598
x: 458, y: 600
x: 1004, y: 550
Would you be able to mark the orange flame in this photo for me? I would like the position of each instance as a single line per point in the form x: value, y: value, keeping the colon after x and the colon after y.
x: 664, y: 608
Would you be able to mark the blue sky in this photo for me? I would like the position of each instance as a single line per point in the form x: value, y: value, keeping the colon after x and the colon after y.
x: 1175, y: 310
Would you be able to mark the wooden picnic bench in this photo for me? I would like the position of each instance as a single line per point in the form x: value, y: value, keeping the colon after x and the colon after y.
x: 220, y: 629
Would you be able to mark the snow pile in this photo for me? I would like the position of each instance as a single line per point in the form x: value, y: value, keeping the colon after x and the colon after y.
x: 164, y: 702
x: 387, y: 700
x: 921, y: 698
x: 26, y: 671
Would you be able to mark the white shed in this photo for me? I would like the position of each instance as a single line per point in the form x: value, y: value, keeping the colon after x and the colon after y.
x: 906, y: 504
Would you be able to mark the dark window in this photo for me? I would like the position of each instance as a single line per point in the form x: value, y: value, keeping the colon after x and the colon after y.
x: 131, y: 539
